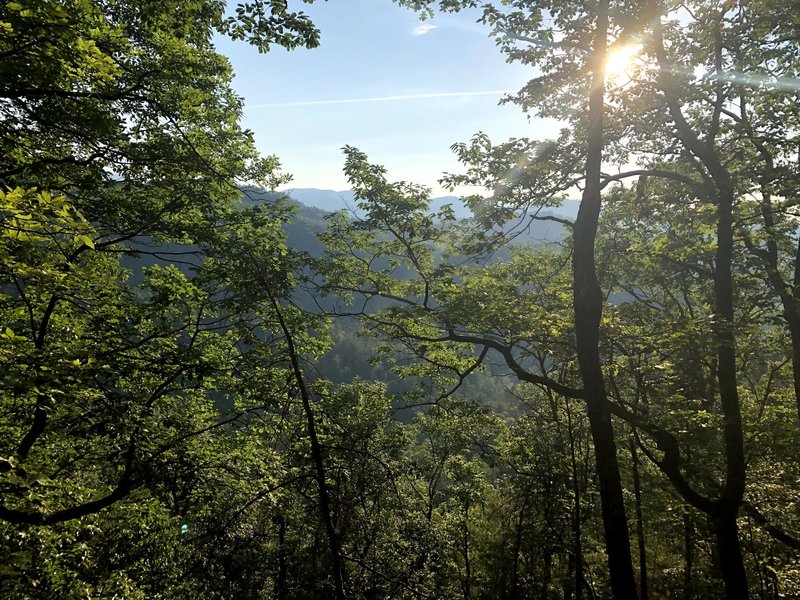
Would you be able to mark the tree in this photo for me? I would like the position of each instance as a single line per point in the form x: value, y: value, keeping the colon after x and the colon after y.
x: 703, y: 93
x: 138, y: 353
x: 410, y: 278
x: 121, y: 146
x: 577, y: 79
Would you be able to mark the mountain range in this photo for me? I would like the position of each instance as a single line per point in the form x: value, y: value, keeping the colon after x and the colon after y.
x: 332, y: 201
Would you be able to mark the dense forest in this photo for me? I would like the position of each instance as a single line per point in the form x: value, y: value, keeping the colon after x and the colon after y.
x: 210, y: 391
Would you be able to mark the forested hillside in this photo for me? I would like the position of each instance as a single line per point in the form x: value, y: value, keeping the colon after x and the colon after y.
x: 210, y: 390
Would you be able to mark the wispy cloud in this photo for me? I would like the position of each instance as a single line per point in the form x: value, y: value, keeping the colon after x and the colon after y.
x: 423, y: 29
x: 382, y: 98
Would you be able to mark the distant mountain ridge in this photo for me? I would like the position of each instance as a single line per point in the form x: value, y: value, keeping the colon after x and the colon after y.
x: 332, y: 201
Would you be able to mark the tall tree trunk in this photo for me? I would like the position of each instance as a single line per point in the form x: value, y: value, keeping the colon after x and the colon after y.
x: 334, y: 544
x: 548, y: 573
x: 588, y: 305
x: 577, y: 544
x: 720, y: 187
x: 794, y: 326
x: 515, y: 591
x: 794, y: 331
x: 730, y: 555
x: 637, y: 494
x: 281, y: 590
x: 788, y: 292
x: 467, y: 585
x: 688, y: 557
x: 569, y: 584
x: 725, y: 525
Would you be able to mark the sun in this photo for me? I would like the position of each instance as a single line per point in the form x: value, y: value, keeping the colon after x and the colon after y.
x: 620, y: 61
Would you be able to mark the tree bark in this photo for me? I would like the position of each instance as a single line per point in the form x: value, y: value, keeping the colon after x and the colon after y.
x: 721, y: 191
x: 467, y: 582
x: 334, y: 543
x: 515, y: 591
x: 688, y: 549
x: 730, y: 555
x: 548, y: 573
x: 281, y: 590
x: 588, y: 305
x: 637, y: 494
x: 725, y: 526
x: 794, y: 331
x: 577, y: 543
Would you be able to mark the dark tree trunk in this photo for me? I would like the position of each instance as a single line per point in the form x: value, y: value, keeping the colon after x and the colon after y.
x: 467, y: 583
x: 688, y: 556
x: 334, y: 543
x: 577, y: 551
x: 515, y: 591
x: 788, y: 292
x: 720, y: 188
x: 637, y: 493
x: 577, y: 544
x: 588, y: 305
x: 794, y: 330
x: 548, y: 573
x: 281, y: 591
x: 730, y: 555
x: 793, y: 316
x: 569, y: 584
x: 725, y: 527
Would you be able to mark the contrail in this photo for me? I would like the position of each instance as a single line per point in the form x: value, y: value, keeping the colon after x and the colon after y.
x: 382, y: 98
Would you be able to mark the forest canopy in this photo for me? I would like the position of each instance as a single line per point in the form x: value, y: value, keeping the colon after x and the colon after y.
x: 209, y: 390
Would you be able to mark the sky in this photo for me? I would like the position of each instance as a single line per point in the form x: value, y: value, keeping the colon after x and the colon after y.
x: 400, y: 89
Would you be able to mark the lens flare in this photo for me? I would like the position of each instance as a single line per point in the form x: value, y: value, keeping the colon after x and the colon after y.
x: 620, y: 62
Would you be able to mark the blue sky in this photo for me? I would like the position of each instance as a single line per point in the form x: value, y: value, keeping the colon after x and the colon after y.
x: 399, y: 89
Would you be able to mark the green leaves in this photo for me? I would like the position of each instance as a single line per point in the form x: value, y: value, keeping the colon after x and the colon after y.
x: 135, y: 344
x: 266, y: 22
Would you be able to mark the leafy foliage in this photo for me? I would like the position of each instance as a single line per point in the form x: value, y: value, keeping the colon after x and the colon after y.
x: 189, y: 408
